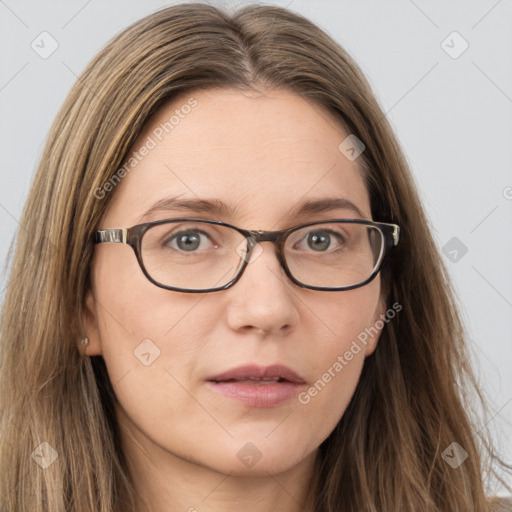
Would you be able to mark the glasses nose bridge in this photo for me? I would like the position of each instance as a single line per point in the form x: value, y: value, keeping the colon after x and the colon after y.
x: 275, y: 237
x: 266, y: 236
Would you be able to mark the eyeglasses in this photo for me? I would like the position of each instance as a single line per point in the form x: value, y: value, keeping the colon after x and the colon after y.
x: 198, y: 256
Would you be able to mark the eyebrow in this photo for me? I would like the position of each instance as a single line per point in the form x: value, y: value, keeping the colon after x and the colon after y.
x: 217, y: 208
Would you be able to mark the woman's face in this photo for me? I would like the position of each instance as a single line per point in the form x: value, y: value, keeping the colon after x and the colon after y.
x: 261, y: 157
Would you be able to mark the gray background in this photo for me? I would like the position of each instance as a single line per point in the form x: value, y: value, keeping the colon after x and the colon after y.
x: 451, y: 113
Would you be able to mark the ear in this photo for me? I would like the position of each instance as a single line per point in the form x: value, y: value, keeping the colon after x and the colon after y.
x: 90, y: 326
x: 378, y: 323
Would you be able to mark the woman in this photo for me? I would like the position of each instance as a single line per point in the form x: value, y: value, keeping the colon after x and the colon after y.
x: 213, y: 365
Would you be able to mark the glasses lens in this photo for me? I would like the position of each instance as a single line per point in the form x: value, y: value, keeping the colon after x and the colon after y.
x: 334, y: 254
x: 196, y: 255
x: 192, y: 255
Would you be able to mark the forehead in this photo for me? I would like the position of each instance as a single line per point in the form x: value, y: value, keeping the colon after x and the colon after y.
x: 261, y: 155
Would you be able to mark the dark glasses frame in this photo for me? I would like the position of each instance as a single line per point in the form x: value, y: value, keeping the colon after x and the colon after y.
x: 133, y: 237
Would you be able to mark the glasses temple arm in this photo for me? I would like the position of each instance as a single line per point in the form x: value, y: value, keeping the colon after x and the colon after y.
x: 116, y: 236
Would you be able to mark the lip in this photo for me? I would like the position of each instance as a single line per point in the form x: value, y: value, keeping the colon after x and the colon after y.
x: 258, y: 386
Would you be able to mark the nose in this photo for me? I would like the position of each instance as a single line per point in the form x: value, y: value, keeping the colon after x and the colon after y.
x: 264, y: 298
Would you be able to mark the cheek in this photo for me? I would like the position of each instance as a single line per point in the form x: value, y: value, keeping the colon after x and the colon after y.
x: 344, y: 321
x: 149, y: 336
x: 150, y: 352
x: 324, y: 402
x: 337, y: 358
x: 132, y: 309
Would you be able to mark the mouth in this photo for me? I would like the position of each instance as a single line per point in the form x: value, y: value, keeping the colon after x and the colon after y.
x: 254, y: 380
x: 258, y: 386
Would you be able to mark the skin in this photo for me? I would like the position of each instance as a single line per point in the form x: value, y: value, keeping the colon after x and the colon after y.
x: 262, y: 154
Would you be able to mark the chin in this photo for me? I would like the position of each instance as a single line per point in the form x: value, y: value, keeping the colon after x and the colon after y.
x: 260, y: 457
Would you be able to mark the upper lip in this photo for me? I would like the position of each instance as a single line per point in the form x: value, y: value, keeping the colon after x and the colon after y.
x: 275, y: 371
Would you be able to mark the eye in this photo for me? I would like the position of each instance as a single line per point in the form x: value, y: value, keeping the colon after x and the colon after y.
x: 321, y: 240
x: 188, y: 240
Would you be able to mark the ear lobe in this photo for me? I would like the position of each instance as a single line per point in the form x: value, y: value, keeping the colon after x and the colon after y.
x: 377, y: 324
x: 90, y: 326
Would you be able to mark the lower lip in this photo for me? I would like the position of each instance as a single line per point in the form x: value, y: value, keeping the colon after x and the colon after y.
x: 255, y: 394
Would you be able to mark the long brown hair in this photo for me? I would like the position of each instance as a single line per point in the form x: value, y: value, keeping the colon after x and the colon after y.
x: 409, y: 406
